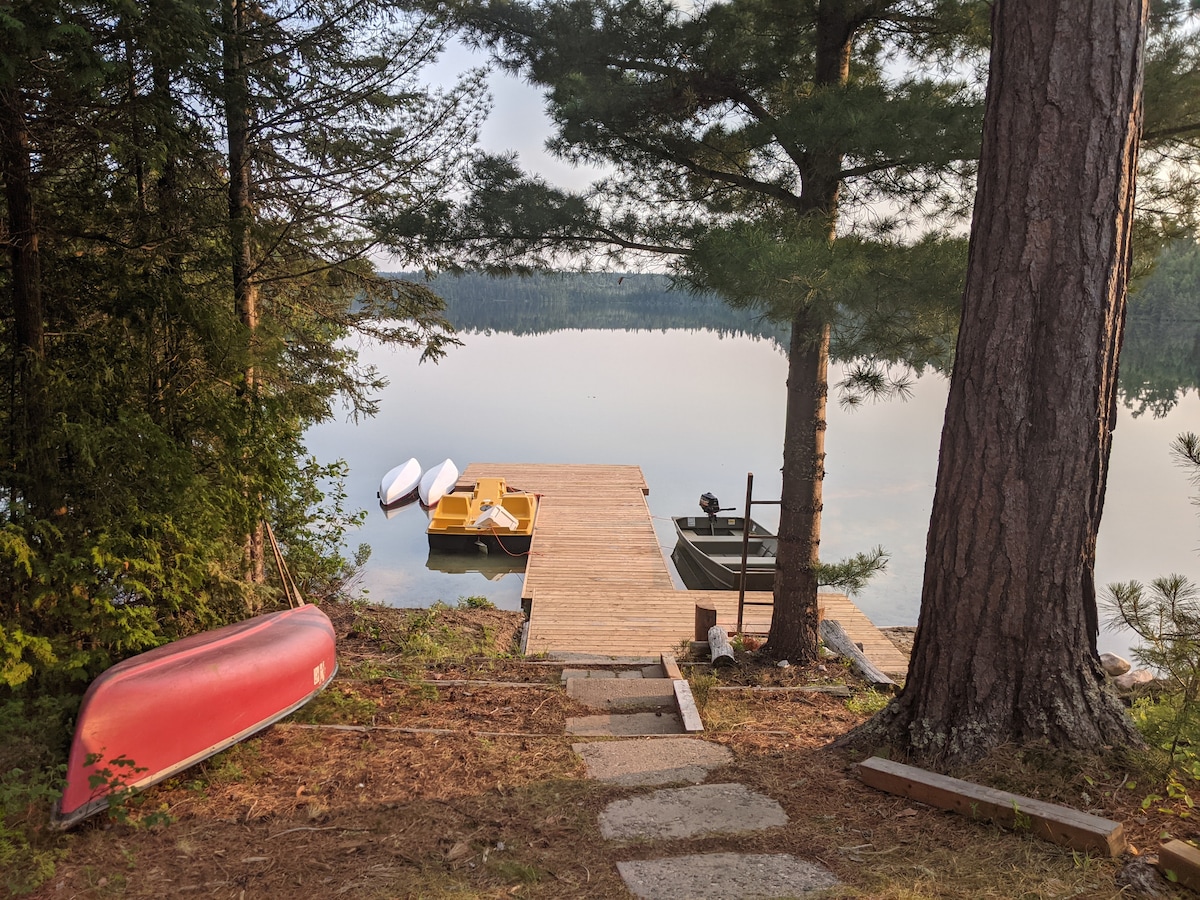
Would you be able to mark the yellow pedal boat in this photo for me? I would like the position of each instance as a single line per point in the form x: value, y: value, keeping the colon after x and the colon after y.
x: 491, y: 517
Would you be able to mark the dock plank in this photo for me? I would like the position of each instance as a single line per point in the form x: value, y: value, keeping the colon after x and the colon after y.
x: 597, y: 581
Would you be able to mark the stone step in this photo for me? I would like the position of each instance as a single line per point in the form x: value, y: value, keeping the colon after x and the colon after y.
x: 653, y: 761
x: 641, y: 724
x: 761, y: 876
x: 614, y: 693
x: 676, y: 813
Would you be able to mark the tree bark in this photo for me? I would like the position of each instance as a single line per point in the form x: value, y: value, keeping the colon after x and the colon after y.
x: 794, y: 617
x: 28, y: 418
x: 1006, y: 644
x: 241, y: 221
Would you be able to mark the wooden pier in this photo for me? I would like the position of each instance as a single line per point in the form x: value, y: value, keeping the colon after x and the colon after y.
x: 597, y: 582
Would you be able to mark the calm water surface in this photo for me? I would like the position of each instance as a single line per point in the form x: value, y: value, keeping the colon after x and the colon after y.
x: 697, y: 411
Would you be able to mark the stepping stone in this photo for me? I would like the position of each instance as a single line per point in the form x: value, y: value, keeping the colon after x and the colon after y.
x: 654, y: 761
x: 757, y: 876
x: 614, y: 693
x: 690, y: 811
x: 625, y: 725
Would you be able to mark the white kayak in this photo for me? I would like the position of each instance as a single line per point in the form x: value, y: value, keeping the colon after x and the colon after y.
x: 436, y: 482
x: 400, y: 484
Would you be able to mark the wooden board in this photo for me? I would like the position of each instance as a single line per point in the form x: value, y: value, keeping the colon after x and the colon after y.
x: 1180, y: 862
x: 686, y: 704
x: 1059, y: 824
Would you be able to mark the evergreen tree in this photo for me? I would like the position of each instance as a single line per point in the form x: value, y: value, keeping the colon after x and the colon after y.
x: 753, y: 142
x: 1006, y: 642
x: 152, y: 461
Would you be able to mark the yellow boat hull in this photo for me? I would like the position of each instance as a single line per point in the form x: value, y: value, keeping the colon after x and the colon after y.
x: 490, y: 517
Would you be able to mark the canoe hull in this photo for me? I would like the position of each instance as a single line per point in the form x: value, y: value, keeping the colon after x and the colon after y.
x: 437, y: 482
x: 399, y: 485
x: 716, y: 551
x: 155, y: 714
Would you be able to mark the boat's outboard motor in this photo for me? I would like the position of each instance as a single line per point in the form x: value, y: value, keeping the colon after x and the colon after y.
x: 710, y: 504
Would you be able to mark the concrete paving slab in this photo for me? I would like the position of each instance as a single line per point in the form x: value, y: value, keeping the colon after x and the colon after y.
x: 625, y: 725
x: 725, y: 876
x: 690, y: 811
x: 568, y: 674
x: 631, y: 673
x: 598, y: 659
x: 615, y: 693
x: 654, y: 672
x: 654, y: 761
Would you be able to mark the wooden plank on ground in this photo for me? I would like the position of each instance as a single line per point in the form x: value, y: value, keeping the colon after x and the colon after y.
x: 1059, y: 824
x: 686, y: 704
x: 1180, y: 862
x: 671, y: 667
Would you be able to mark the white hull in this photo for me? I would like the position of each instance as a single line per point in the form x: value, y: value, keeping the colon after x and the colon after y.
x: 437, y: 482
x: 400, y: 484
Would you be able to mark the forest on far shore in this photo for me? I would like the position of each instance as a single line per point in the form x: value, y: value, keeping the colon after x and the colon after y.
x: 1160, y: 360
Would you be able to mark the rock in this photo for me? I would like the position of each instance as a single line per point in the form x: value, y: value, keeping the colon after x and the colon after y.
x: 1114, y: 665
x: 1130, y: 680
x: 1138, y: 878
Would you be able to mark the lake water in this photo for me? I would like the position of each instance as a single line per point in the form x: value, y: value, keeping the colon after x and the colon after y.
x: 697, y: 411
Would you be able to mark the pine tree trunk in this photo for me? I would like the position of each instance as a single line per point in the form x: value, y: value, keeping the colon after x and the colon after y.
x: 28, y: 418
x: 241, y: 220
x: 794, y: 617
x: 1005, y: 648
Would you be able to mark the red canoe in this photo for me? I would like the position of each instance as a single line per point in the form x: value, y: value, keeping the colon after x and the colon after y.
x: 155, y: 714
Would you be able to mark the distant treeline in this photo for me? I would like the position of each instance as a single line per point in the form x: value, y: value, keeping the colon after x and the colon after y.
x: 1171, y: 292
x: 546, y: 302
x: 1160, y: 361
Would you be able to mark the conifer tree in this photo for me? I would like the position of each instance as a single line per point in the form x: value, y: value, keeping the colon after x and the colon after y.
x: 753, y: 142
x: 1006, y: 644
x: 155, y: 461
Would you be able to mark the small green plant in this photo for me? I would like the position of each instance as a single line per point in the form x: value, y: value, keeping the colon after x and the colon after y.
x: 702, y: 685
x: 518, y: 871
x: 475, y: 602
x: 1021, y: 821
x: 338, y: 706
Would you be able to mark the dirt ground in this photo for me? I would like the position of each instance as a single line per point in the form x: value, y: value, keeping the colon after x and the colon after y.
x: 436, y: 766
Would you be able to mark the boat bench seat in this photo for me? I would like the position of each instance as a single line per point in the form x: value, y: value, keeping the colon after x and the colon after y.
x: 522, y: 506
x: 735, y: 562
x: 451, y: 510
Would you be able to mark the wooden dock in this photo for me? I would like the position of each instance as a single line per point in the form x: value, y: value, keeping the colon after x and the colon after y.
x: 597, y: 582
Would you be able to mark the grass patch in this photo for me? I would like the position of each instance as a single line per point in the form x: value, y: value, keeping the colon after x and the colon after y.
x: 339, y: 704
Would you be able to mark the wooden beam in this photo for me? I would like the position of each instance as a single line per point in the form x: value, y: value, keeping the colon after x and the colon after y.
x: 1059, y: 824
x: 686, y: 704
x: 706, y: 618
x: 670, y: 667
x: 1180, y: 862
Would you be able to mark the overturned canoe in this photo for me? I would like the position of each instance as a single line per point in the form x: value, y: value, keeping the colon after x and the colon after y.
x: 437, y: 482
x: 155, y: 714
x: 399, y: 485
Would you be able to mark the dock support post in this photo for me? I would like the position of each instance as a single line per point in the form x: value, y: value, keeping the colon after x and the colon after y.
x: 706, y: 618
